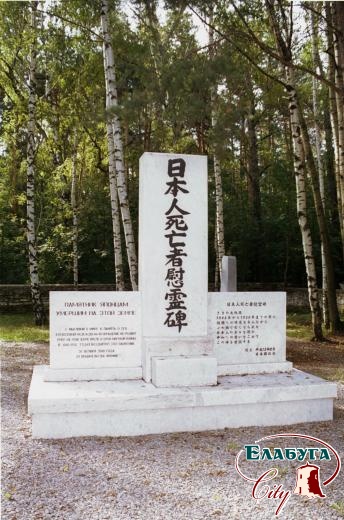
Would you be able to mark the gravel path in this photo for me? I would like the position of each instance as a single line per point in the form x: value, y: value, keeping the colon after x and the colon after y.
x: 169, y: 477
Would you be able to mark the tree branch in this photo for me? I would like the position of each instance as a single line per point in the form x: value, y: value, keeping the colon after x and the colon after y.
x: 268, y: 50
x: 72, y: 22
x: 239, y: 49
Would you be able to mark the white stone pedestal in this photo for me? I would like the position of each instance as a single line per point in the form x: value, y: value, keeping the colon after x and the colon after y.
x: 128, y: 408
x: 181, y: 356
x: 92, y: 374
x: 184, y: 371
x: 254, y: 368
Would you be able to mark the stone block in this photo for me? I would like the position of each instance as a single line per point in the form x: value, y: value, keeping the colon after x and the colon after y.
x: 184, y: 371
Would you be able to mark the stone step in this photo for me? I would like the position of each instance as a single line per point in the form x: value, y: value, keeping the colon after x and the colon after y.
x: 129, y: 408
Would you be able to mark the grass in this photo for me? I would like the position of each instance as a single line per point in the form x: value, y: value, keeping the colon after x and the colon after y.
x: 21, y: 327
x: 339, y: 507
x: 299, y: 325
x: 233, y: 446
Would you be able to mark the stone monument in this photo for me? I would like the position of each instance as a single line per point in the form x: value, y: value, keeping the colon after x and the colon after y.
x: 170, y: 357
x: 228, y: 274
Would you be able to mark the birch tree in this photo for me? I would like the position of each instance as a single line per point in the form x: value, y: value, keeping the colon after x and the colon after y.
x: 30, y: 182
x: 157, y: 53
x: 301, y: 204
x: 253, y: 184
x: 333, y: 108
x: 283, y: 36
x: 115, y: 213
x: 316, y: 63
x: 110, y: 78
x: 338, y: 47
x: 219, y: 225
x: 75, y: 225
x: 284, y: 44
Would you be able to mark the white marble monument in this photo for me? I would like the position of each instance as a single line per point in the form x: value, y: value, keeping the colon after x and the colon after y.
x: 173, y: 267
x: 249, y: 332
x: 228, y: 274
x: 170, y: 357
x: 94, y: 335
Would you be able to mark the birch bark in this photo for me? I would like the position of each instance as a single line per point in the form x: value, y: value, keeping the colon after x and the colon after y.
x: 316, y: 59
x: 109, y: 64
x: 156, y: 50
x: 75, y: 226
x: 115, y: 213
x: 284, y: 43
x: 301, y: 203
x: 253, y: 185
x: 30, y: 182
x: 220, y: 238
x: 338, y: 44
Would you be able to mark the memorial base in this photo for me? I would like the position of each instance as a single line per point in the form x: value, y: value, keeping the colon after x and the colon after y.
x: 128, y: 408
x: 254, y: 368
x: 92, y: 374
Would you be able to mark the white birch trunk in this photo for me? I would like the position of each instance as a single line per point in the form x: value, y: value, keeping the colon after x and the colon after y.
x: 115, y: 213
x: 315, y: 55
x: 340, y: 118
x: 220, y: 237
x: 301, y: 202
x: 30, y: 183
x: 334, y: 114
x: 75, y: 225
x: 109, y: 63
x: 217, y: 273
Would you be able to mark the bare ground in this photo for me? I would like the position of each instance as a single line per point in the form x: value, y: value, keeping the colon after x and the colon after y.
x: 167, y: 477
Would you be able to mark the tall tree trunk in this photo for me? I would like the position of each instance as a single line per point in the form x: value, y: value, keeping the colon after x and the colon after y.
x: 115, y: 213
x: 54, y: 97
x: 220, y: 236
x: 338, y: 46
x: 330, y: 168
x: 316, y: 63
x: 157, y: 54
x: 216, y: 272
x: 284, y: 45
x: 335, y: 322
x: 253, y: 184
x: 109, y: 64
x: 38, y: 308
x: 334, y: 115
x: 301, y: 202
x: 74, y: 204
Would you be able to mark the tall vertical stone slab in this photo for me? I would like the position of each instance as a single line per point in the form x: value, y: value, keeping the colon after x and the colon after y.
x: 173, y: 244
x: 173, y: 261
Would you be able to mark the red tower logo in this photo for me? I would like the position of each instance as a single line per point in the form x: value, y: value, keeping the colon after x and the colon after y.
x: 307, y: 481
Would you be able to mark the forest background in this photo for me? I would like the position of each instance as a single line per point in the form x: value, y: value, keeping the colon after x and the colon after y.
x: 87, y: 86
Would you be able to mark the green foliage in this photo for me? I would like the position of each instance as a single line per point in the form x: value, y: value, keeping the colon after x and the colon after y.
x: 165, y: 76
